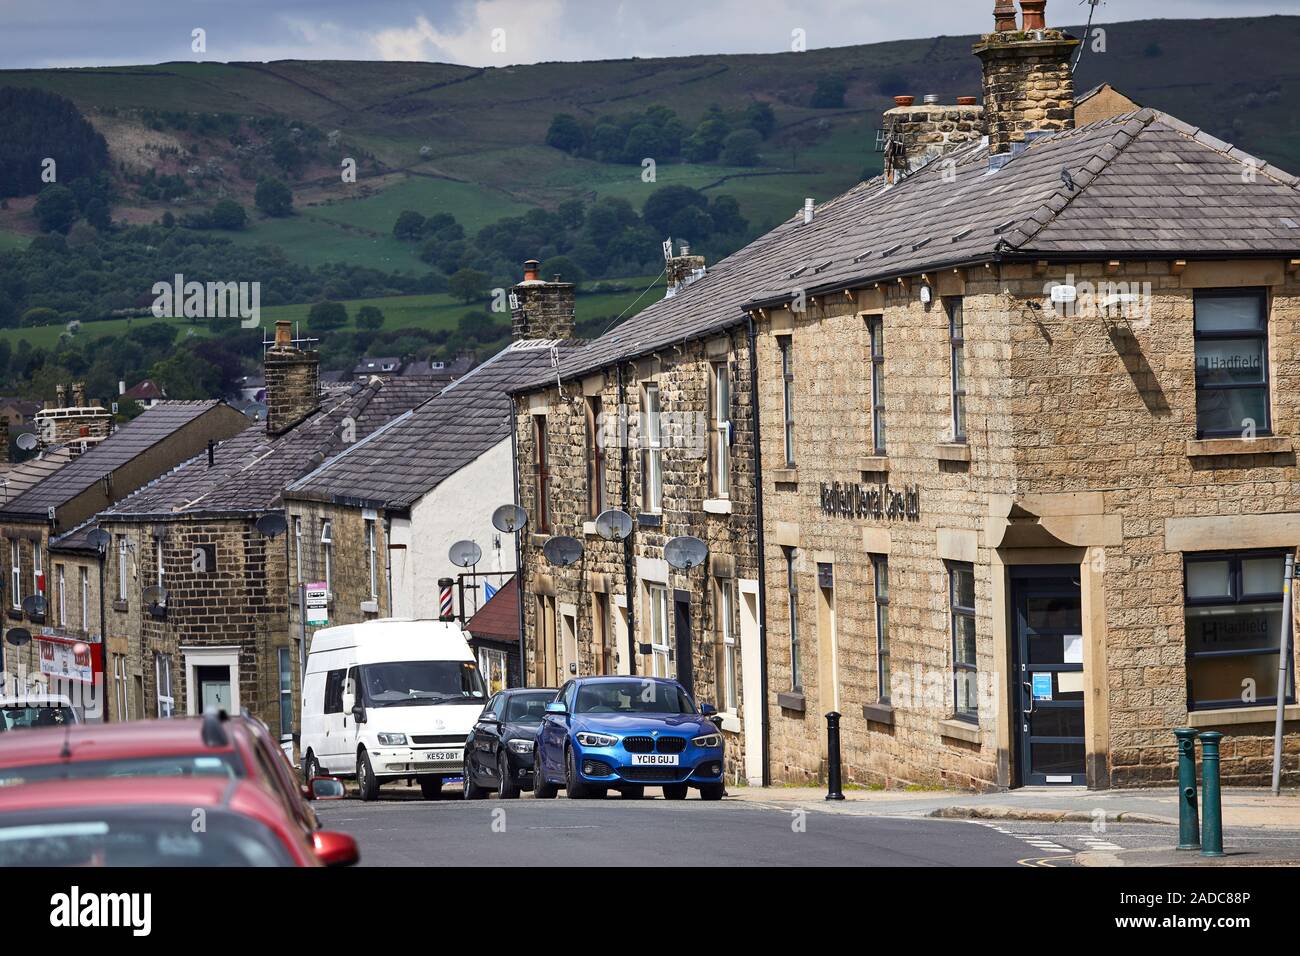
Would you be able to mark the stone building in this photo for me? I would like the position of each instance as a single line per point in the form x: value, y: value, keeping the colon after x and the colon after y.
x: 198, y: 565
x: 652, y: 419
x: 393, y: 504
x: 1024, y: 423
x: 72, y: 493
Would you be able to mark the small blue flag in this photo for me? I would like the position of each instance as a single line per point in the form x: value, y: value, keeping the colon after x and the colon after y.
x: 488, y: 590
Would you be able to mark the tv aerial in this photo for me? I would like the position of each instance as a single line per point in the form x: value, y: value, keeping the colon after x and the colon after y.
x: 614, y: 525
x: 685, y: 552
x: 465, y: 554
x: 509, y: 518
x: 562, y: 551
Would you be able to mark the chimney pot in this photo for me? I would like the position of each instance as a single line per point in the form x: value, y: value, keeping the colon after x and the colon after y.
x: 808, y: 208
x: 1035, y: 14
x: 904, y: 100
x: 967, y: 100
x: 532, y: 269
x: 283, y: 334
x: 931, y: 99
x: 1004, y: 16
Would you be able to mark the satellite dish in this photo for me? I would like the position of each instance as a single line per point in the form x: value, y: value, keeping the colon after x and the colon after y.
x: 26, y: 441
x: 99, y: 539
x: 685, y: 552
x: 562, y: 551
x: 614, y: 525
x: 463, y: 554
x: 18, y: 636
x: 270, y: 525
x: 34, y: 605
x: 509, y: 518
x: 155, y: 594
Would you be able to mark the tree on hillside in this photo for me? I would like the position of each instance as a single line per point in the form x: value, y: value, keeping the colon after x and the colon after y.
x: 829, y: 93
x: 185, y: 376
x: 666, y: 202
x: 564, y: 267
x: 274, y: 198
x: 565, y: 133
x: 229, y: 214
x: 39, y: 125
x: 469, y: 285
x: 741, y: 148
x: 761, y: 118
x: 705, y: 143
x: 55, y: 209
x: 370, y: 318
x: 409, y: 225
x: 327, y: 316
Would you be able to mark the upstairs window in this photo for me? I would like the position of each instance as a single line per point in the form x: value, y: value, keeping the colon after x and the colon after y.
x: 652, y: 452
x: 876, y: 334
x: 541, y: 477
x: 957, y: 345
x: 1232, y: 363
x: 720, y: 430
x: 327, y: 552
x: 784, y: 343
x: 15, y: 575
x: 595, y: 458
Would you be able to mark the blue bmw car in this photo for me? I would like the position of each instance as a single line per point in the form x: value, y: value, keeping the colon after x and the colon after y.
x: 624, y: 734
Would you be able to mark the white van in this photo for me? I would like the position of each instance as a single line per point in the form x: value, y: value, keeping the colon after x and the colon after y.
x: 389, y: 699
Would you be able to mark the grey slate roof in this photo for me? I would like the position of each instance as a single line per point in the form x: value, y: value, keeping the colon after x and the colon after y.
x: 1144, y: 184
x: 131, y: 440
x: 18, y: 478
x: 398, y: 464
x: 252, y: 469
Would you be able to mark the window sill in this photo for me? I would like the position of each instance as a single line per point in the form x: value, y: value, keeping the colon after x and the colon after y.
x: 15, y: 614
x: 650, y: 520
x: 952, y: 451
x: 370, y: 607
x: 1233, y: 716
x: 874, y: 463
x: 955, y: 729
x: 537, y: 540
x: 589, y: 529
x: 731, y: 723
x: 879, y: 713
x: 785, y: 476
x: 791, y: 700
x: 120, y: 606
x: 1263, y: 445
x: 717, y: 506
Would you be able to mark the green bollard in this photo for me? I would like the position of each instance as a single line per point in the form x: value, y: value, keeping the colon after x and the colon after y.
x: 1212, y: 822
x: 1189, y: 836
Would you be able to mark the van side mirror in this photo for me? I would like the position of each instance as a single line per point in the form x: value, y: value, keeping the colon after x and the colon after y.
x: 556, y: 707
x: 358, y: 713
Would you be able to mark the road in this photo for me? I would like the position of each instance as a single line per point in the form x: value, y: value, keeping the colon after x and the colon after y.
x: 407, y: 831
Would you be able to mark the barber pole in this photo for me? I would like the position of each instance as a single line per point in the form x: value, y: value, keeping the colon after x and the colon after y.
x: 444, y: 599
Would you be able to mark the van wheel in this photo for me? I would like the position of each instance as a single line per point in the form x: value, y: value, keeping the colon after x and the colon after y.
x: 508, y: 788
x: 430, y: 787
x: 542, y: 788
x: 367, y: 785
x: 574, y: 788
x: 310, y: 767
x: 675, y: 791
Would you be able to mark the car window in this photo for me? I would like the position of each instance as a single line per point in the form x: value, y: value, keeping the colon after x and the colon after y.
x: 136, y: 836
x: 566, y: 695
x: 334, y: 691
x: 17, y: 718
x: 272, y: 764
x: 493, y: 707
x: 223, y: 764
x: 632, y: 697
x: 527, y: 708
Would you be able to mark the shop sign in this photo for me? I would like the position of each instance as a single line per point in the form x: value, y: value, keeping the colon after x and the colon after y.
x: 856, y: 500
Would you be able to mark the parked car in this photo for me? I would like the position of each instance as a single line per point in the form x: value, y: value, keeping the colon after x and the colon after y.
x: 624, y: 733
x: 36, y: 710
x: 499, y: 751
x: 389, y: 699
x: 210, y: 746
x: 143, y: 821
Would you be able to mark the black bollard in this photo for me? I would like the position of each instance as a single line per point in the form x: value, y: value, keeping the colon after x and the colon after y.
x: 834, y: 790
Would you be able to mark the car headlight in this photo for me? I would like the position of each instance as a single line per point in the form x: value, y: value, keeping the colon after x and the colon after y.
x: 520, y: 746
x: 708, y: 740
x: 392, y: 740
x: 596, y: 740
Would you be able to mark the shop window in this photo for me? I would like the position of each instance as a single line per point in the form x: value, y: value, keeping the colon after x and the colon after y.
x: 1233, y: 622
x: 286, y: 692
x: 657, y: 597
x: 726, y: 647
x: 880, y: 564
x: 792, y: 605
x: 162, y: 664
x: 1232, y: 363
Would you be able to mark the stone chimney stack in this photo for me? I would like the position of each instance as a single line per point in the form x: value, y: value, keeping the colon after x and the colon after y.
x: 916, y: 134
x: 541, y: 309
x: 681, y: 269
x: 292, y: 381
x: 1028, y: 87
x: 78, y: 394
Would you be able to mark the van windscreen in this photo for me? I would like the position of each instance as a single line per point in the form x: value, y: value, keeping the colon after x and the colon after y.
x: 421, y: 682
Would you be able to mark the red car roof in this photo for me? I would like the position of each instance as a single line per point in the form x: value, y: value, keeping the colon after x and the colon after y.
x: 133, y: 738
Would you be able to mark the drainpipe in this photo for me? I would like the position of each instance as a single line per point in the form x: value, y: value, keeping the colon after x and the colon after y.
x: 388, y: 559
x: 758, y: 521
x: 103, y: 636
x: 519, y: 544
x: 627, y: 542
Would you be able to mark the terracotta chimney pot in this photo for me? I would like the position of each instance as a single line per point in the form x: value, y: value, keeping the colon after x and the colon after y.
x: 1004, y: 16
x: 283, y: 334
x: 1035, y: 14
x: 904, y: 100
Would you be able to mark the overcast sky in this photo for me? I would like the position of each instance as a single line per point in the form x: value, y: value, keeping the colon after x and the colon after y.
x: 36, y: 33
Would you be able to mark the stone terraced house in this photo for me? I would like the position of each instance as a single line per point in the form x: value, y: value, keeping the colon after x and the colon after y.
x: 1009, y: 444
x: 206, y: 534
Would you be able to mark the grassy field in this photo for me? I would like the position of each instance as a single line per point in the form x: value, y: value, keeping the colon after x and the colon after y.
x: 10, y: 240
x: 428, y: 312
x: 313, y: 240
